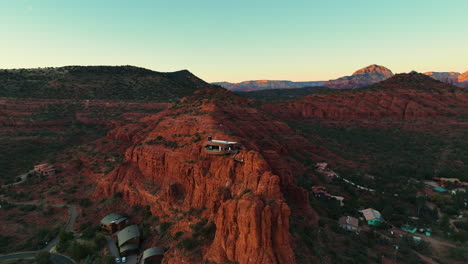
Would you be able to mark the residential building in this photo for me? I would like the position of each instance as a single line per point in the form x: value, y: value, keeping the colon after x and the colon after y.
x: 221, y: 147
x: 128, y: 249
x: 113, y: 222
x: 152, y: 255
x: 372, y: 216
x: 44, y: 169
x: 349, y: 223
x: 128, y: 235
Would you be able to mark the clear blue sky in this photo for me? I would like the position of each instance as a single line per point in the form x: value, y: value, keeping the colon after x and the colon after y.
x: 237, y: 40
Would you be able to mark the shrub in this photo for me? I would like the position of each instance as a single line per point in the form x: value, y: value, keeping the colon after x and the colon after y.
x: 198, y: 226
x: 42, y: 257
x: 84, y: 202
x: 165, y: 226
x: 188, y: 244
x: 78, y: 251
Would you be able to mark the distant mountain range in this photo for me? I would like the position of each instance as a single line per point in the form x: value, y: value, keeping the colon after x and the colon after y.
x: 360, y: 78
x: 258, y: 85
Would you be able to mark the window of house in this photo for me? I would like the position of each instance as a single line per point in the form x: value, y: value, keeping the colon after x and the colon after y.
x: 213, y: 148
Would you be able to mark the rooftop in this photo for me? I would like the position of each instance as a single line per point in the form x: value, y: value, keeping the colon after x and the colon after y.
x: 128, y: 247
x: 223, y: 142
x: 349, y: 220
x: 370, y: 214
x: 153, y: 252
x: 128, y: 233
x: 111, y: 218
x: 440, y: 189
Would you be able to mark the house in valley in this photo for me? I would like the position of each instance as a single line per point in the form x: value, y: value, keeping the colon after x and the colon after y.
x: 372, y: 216
x: 349, y: 223
x: 44, y: 169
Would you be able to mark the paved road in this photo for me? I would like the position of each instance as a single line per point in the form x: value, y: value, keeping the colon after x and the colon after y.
x: 69, y: 226
x: 23, y: 177
x: 112, y: 247
x: 72, y: 211
x: 54, y: 258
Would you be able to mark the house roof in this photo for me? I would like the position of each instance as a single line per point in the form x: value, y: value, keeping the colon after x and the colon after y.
x: 41, y: 165
x: 450, y: 179
x: 128, y: 247
x: 349, y: 220
x: 440, y: 189
x: 111, y: 218
x: 223, y: 142
x: 153, y: 252
x: 121, y: 219
x: 128, y: 233
x: 432, y: 184
x: 370, y: 214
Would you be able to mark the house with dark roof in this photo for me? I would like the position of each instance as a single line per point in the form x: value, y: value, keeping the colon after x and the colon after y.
x: 128, y: 249
x: 152, y: 255
x: 128, y: 235
x: 349, y: 223
x: 113, y: 222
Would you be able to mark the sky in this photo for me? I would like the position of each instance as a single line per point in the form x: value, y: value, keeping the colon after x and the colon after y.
x: 238, y: 40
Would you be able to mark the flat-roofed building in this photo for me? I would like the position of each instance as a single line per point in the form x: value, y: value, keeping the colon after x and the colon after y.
x: 221, y: 147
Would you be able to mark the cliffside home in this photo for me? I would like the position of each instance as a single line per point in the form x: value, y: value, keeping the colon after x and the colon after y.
x: 221, y: 147
x: 349, y: 223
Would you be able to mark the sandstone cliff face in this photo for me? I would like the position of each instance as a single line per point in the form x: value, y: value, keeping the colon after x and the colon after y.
x: 166, y: 169
x: 363, y: 77
x: 463, y: 80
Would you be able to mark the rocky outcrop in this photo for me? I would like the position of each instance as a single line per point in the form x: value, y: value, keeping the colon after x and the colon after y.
x: 362, y: 77
x: 252, y: 231
x: 166, y: 169
x: 463, y: 80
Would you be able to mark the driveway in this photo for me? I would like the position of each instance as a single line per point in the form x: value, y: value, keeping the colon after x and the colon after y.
x: 132, y: 259
x: 73, y: 214
x: 54, y: 258
x: 23, y: 178
x: 112, y: 247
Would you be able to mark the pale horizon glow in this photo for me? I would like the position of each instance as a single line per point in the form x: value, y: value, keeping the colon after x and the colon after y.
x: 238, y: 40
